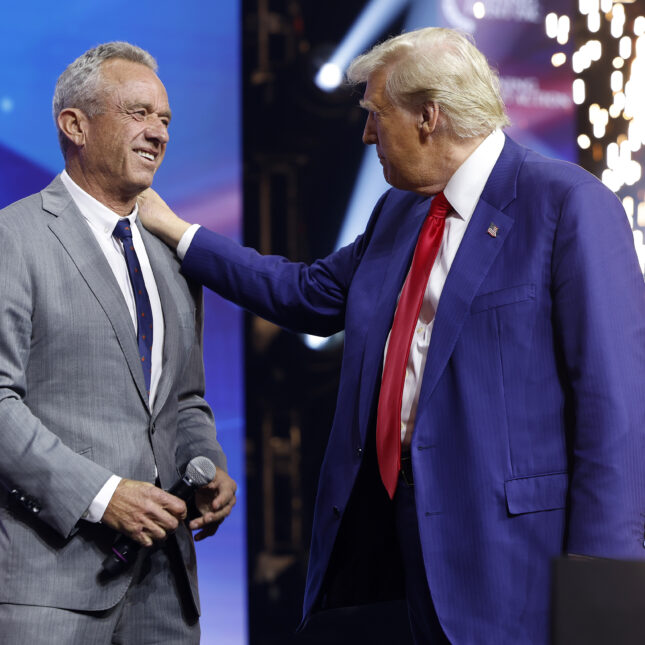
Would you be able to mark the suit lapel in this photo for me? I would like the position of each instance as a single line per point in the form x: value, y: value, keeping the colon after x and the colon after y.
x: 408, y: 228
x: 474, y: 258
x: 73, y: 233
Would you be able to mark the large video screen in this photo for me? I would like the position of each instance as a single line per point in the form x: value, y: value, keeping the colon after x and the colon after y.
x: 197, y: 47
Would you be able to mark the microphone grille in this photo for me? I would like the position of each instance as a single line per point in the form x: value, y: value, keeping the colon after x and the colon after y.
x: 200, y: 470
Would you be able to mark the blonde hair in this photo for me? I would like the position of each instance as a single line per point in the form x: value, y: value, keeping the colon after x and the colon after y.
x: 440, y: 65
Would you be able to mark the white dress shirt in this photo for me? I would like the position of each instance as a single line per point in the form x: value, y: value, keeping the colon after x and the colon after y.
x: 186, y: 239
x: 463, y: 191
x: 101, y: 221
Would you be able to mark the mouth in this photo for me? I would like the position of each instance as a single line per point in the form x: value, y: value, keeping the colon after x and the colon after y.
x: 146, y: 154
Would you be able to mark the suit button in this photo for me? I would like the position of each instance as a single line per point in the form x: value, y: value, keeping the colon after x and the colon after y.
x: 336, y: 511
x: 359, y: 452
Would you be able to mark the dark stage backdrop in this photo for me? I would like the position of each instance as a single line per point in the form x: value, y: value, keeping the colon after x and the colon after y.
x: 197, y: 47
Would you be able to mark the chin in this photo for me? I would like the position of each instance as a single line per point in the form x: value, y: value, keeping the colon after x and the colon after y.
x: 134, y: 190
x: 395, y: 183
x: 142, y: 182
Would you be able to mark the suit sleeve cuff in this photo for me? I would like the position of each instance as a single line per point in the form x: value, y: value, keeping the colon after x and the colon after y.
x: 97, y: 507
x: 186, y: 240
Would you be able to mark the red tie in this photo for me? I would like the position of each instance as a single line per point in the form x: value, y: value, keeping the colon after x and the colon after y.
x: 388, y: 422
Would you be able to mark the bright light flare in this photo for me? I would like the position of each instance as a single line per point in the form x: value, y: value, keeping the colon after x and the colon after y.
x: 628, y: 205
x: 551, y: 25
x: 625, y: 47
x: 558, y: 59
x: 593, y: 21
x: 584, y: 141
x: 329, y: 77
x: 617, y: 20
x: 368, y: 26
x: 579, y: 91
x: 479, y: 10
x: 639, y: 26
x: 564, y: 25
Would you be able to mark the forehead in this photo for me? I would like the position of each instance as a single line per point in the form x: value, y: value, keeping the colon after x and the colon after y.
x: 375, y: 94
x: 134, y: 82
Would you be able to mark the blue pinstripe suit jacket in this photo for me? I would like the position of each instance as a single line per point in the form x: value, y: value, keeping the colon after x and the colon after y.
x: 530, y: 431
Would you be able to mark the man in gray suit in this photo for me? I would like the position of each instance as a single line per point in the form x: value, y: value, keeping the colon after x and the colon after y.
x: 97, y: 405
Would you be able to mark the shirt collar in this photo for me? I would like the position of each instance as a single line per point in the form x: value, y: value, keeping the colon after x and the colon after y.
x: 100, y: 217
x: 465, y: 187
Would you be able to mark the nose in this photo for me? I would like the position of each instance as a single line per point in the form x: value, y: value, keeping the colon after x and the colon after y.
x: 369, y: 132
x: 157, y: 130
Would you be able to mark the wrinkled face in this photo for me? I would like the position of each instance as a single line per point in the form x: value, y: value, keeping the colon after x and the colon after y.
x: 125, y: 144
x: 395, y: 133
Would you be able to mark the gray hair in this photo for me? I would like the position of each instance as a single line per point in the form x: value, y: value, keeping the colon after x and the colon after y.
x: 441, y: 65
x: 80, y: 85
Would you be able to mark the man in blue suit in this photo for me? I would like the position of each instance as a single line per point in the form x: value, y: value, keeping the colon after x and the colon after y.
x: 522, y: 415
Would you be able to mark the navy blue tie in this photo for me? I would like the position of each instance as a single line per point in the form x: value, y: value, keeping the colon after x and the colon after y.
x: 142, y: 302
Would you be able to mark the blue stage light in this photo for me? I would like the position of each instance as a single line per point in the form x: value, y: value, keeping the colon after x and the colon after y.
x: 329, y: 77
x: 370, y: 185
x: 369, y: 25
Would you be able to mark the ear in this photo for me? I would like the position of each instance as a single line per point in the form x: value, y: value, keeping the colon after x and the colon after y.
x: 428, y: 118
x: 74, y: 125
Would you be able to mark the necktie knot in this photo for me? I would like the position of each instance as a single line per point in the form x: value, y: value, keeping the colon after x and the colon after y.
x: 440, y: 206
x: 122, y: 230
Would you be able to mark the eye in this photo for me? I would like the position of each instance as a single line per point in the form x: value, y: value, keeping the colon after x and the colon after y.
x: 139, y: 115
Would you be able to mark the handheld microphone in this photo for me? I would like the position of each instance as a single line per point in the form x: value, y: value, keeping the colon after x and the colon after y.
x: 199, y: 471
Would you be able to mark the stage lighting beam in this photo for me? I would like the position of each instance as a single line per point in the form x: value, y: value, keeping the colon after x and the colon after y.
x: 372, y: 21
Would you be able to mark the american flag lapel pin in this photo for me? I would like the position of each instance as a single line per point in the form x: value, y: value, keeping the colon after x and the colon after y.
x: 492, y: 229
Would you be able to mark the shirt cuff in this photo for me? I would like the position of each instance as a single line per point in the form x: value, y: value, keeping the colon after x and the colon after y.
x: 97, y: 507
x: 186, y: 239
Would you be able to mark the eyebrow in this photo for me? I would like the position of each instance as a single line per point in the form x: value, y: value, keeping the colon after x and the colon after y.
x: 368, y: 105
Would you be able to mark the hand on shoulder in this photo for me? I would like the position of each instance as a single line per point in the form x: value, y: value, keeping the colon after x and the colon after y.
x: 159, y: 218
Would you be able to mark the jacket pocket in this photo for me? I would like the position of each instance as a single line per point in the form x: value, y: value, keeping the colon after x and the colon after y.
x: 507, y: 296
x: 538, y: 493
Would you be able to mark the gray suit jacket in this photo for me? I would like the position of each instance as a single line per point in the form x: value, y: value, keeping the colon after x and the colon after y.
x: 73, y: 406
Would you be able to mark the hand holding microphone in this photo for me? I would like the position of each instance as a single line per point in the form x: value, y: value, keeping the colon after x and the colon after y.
x: 145, y: 513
